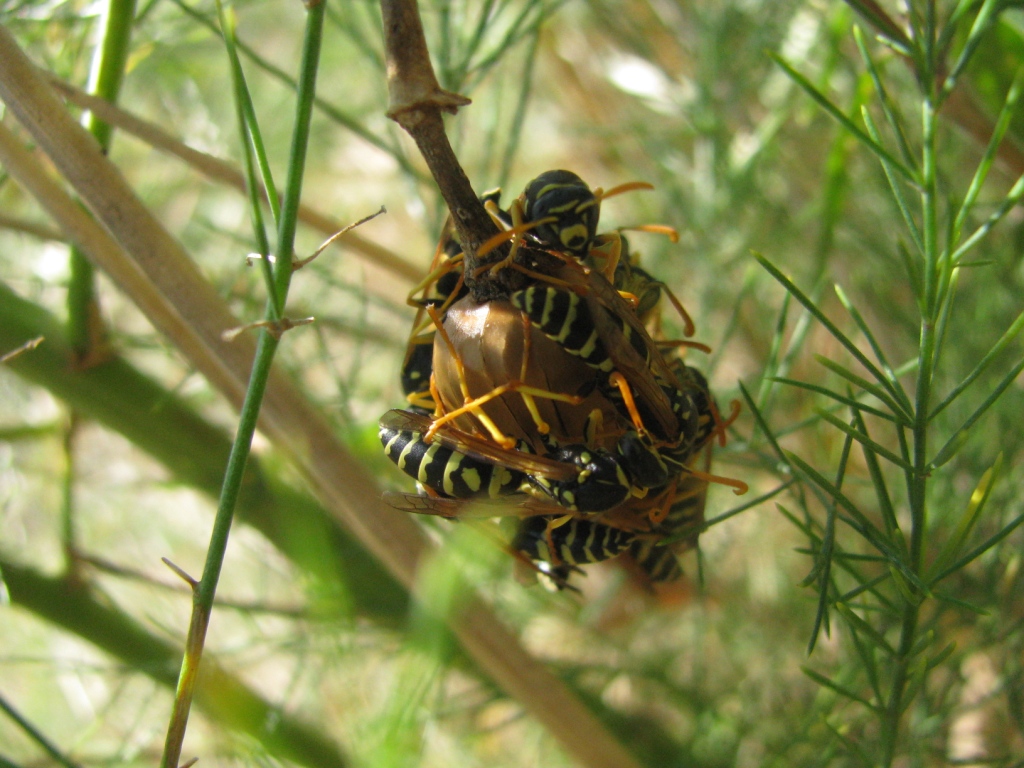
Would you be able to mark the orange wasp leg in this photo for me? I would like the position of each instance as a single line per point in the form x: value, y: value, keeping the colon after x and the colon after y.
x: 618, y: 380
x: 472, y: 405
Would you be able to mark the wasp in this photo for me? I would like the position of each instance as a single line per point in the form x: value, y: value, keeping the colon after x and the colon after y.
x: 456, y: 464
x: 569, y: 542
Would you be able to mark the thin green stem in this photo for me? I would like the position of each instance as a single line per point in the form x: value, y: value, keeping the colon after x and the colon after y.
x: 251, y: 143
x: 333, y: 112
x: 205, y: 591
x: 84, y: 325
x: 69, y: 537
x: 917, y: 479
x: 35, y: 734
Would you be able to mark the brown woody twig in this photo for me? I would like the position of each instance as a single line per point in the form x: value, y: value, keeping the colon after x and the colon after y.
x: 417, y: 103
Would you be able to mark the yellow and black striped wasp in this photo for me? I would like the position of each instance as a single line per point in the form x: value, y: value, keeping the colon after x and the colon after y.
x: 562, y: 498
x: 517, y: 386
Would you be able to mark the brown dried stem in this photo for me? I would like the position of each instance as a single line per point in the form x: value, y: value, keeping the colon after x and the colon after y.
x: 417, y: 102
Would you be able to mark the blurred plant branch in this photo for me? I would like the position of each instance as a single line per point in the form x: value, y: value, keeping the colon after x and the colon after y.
x: 87, y: 613
x: 224, y: 172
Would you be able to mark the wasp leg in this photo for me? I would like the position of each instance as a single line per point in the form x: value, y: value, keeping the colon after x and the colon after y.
x: 617, y: 380
x: 473, y: 405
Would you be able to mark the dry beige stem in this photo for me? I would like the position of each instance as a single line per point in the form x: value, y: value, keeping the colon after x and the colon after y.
x: 154, y: 270
x: 224, y: 172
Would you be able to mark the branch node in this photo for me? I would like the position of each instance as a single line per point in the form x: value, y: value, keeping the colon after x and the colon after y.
x: 275, y: 328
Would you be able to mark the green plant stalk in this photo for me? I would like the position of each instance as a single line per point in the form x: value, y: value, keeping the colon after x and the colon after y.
x: 89, y: 615
x: 333, y: 112
x: 252, y: 142
x: 67, y: 512
x: 917, y: 479
x: 119, y: 397
x: 104, y: 81
x: 267, y: 346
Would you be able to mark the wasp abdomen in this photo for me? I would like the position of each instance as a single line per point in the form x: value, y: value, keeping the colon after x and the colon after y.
x: 659, y: 563
x: 575, y: 542
x: 447, y: 471
x: 564, y: 317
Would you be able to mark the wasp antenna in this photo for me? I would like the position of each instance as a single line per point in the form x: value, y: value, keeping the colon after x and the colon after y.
x: 685, y: 343
x: 663, y: 503
x: 629, y: 186
x: 738, y: 486
x: 658, y: 229
x: 721, y: 426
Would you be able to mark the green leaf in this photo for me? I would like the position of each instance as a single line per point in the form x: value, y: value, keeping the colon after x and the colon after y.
x: 1011, y: 333
x: 942, y: 655
x: 865, y: 629
x: 842, y: 399
x: 848, y: 124
x: 860, y: 523
x: 762, y: 425
x: 981, y: 549
x: 742, y: 507
x: 987, y: 15
x: 959, y: 438
x: 998, y: 132
x: 864, y: 440
x: 882, y: 24
x: 895, y: 186
x: 878, y: 480
x: 823, y: 564
x: 889, y: 107
x: 975, y: 506
x: 898, y: 413
x: 862, y: 588
x: 833, y: 686
x: 956, y: 601
x: 800, y: 296
x: 1009, y: 202
x: 868, y: 662
x: 875, y: 346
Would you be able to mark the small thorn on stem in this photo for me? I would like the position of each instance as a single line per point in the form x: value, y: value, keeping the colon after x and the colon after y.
x: 297, y: 265
x: 190, y: 763
x: 28, y: 345
x: 187, y: 579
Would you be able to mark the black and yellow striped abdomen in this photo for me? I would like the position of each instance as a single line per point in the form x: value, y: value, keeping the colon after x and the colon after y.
x: 564, y: 317
x: 448, y: 472
x: 577, y: 541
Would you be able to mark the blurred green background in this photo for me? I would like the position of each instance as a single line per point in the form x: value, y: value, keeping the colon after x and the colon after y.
x: 101, y: 478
